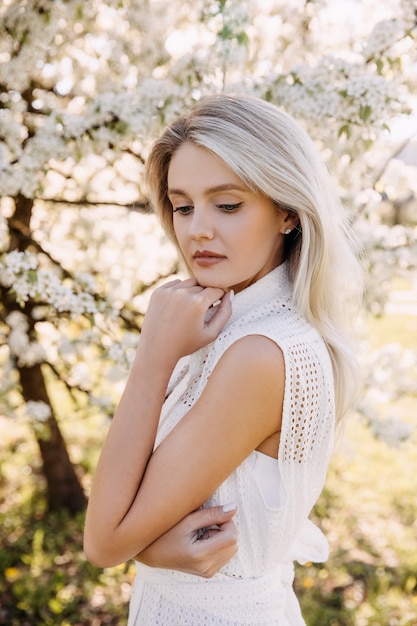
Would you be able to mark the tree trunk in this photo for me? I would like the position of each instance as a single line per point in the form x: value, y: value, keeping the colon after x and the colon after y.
x: 64, y: 489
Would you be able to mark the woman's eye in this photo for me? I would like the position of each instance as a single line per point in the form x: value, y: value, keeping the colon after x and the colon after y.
x: 230, y: 207
x: 182, y: 209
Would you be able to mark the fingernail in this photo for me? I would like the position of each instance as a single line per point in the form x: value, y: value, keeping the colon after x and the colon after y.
x: 216, y: 303
x: 228, y: 507
x: 231, y: 295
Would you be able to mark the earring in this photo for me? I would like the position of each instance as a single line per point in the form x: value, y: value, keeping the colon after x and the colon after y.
x: 287, y: 232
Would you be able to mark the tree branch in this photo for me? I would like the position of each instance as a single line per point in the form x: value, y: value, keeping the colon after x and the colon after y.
x: 138, y: 206
x: 396, y: 152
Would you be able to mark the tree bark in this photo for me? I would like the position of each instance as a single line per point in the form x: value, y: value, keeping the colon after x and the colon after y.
x: 64, y: 489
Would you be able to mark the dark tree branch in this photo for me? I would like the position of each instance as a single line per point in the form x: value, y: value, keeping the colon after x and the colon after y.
x: 138, y: 206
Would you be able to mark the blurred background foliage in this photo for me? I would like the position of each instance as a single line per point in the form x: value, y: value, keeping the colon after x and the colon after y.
x: 84, y: 90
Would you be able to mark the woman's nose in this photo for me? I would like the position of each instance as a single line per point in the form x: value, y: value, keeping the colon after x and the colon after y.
x: 201, y: 225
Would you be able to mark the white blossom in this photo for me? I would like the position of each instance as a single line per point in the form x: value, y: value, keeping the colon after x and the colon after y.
x: 382, y: 37
x: 80, y: 376
x: 116, y: 352
x: 19, y: 270
x: 17, y: 321
x: 130, y: 340
x: 15, y: 262
x: 393, y: 430
x: 27, y: 353
x: 408, y: 12
x: 86, y: 281
x: 37, y: 411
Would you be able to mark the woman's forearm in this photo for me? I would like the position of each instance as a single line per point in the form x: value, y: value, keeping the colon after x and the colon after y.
x: 126, y: 452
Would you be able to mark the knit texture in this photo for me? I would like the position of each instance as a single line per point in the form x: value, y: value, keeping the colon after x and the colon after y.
x: 255, y: 587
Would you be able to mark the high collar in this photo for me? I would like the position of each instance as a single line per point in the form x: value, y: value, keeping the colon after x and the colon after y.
x: 269, y: 288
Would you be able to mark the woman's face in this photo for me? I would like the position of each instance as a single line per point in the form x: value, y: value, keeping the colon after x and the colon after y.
x: 229, y: 235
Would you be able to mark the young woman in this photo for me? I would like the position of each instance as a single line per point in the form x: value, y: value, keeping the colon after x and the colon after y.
x: 241, y: 372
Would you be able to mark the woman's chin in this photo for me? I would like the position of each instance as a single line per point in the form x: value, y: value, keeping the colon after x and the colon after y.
x: 213, y: 284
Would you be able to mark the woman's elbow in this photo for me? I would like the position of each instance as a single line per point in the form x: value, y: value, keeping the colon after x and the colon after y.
x: 97, y: 555
x: 94, y: 556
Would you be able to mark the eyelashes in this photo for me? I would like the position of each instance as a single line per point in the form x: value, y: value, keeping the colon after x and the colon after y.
x: 228, y: 208
x: 182, y: 209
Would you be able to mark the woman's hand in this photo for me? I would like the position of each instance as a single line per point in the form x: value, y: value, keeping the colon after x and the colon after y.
x: 180, y: 321
x: 200, y: 544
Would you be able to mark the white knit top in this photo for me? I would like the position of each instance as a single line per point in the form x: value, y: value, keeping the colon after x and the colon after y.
x: 255, y: 587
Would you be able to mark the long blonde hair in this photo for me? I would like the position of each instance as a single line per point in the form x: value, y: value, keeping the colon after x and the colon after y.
x: 269, y: 151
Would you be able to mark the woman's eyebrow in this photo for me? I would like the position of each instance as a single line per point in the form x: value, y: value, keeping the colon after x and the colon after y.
x: 216, y: 188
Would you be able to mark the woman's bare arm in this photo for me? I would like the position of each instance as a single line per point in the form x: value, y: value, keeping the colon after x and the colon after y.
x: 131, y: 503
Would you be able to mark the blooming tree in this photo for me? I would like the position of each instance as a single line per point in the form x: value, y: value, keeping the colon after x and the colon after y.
x: 84, y: 89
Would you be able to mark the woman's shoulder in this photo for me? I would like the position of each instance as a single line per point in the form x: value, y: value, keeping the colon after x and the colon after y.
x: 279, y: 321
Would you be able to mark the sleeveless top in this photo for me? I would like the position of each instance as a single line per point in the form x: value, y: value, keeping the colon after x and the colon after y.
x: 255, y: 587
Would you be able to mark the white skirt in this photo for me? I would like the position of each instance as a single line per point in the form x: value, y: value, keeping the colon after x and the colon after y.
x: 166, y: 598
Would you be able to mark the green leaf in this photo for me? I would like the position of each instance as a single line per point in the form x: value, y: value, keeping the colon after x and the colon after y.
x: 365, y: 112
x: 242, y: 38
x: 225, y: 33
x: 379, y: 66
x: 121, y: 127
x: 33, y: 276
x: 55, y: 606
x: 344, y: 130
x: 367, y: 144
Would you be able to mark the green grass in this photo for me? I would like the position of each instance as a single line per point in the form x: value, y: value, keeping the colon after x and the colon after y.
x: 45, y: 579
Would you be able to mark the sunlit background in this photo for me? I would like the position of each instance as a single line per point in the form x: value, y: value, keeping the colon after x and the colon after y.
x: 85, y: 87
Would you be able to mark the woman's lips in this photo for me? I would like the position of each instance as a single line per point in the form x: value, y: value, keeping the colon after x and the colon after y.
x: 206, y: 258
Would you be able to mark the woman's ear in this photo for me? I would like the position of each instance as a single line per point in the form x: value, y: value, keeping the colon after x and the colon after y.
x: 290, y: 222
